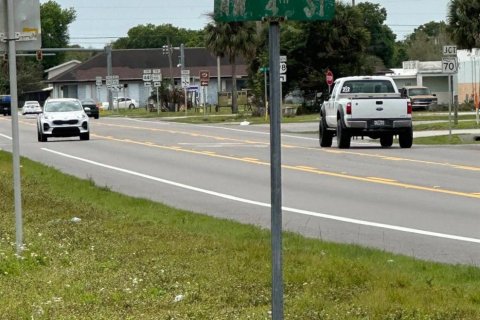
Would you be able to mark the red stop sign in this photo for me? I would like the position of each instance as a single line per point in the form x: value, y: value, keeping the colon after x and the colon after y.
x: 329, y: 77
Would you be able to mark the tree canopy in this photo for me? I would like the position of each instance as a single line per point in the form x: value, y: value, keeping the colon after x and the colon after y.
x: 55, y: 22
x: 463, y: 23
x: 152, y: 36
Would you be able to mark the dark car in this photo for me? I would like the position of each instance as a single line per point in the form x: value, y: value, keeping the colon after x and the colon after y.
x: 92, y: 104
x: 5, y: 107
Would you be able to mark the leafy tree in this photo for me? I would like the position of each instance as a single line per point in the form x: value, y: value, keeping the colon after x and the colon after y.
x: 427, y: 41
x: 400, y: 54
x: 54, y: 22
x: 231, y: 39
x: 152, y: 36
x: 382, y: 38
x: 463, y: 23
x: 313, y: 47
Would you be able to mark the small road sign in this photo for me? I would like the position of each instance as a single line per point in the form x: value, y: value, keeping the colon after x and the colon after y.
x: 329, y: 77
x: 147, y: 77
x: 283, y: 67
x: 449, y: 50
x: 449, y: 65
x: 98, y: 81
x: 283, y: 78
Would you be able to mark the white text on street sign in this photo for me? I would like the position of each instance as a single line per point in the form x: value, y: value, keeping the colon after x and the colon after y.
x: 258, y: 10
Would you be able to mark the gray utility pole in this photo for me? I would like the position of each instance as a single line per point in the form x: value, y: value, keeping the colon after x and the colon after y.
x: 12, y: 64
x: 275, y: 170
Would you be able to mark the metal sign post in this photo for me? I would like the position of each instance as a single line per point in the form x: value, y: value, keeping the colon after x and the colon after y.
x: 204, y: 79
x: 157, y: 82
x: 274, y: 11
x: 23, y: 28
x: 450, y: 67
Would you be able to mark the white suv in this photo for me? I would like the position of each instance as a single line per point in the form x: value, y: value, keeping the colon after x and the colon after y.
x: 63, y: 117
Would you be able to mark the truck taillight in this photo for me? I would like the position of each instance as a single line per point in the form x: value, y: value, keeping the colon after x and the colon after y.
x: 409, y: 107
x: 349, y: 108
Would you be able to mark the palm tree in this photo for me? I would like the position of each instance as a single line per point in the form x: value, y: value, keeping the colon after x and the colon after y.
x: 231, y: 39
x: 463, y: 23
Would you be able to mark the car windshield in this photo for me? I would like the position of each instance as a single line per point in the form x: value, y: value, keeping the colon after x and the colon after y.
x: 63, y: 106
x: 419, y: 92
x: 368, y: 86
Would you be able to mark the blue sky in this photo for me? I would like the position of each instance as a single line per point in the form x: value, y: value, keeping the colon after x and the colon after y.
x: 101, y: 21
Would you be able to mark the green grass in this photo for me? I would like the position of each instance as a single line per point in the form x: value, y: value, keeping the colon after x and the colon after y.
x: 130, y: 258
x: 446, y: 139
x: 445, y: 125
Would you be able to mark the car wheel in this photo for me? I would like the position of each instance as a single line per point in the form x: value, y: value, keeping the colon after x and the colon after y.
x: 324, y: 136
x: 405, y: 139
x: 131, y: 106
x: 85, y: 136
x: 41, y: 136
x: 386, y: 141
x: 96, y: 116
x: 343, y: 138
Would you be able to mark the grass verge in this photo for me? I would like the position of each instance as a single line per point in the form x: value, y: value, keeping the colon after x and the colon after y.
x: 446, y: 139
x: 130, y: 258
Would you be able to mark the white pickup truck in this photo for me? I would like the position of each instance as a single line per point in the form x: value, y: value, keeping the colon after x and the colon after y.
x: 368, y: 106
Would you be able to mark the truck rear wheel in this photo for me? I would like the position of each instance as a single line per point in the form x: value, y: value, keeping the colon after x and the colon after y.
x: 325, y: 137
x: 405, y: 139
x: 343, y: 138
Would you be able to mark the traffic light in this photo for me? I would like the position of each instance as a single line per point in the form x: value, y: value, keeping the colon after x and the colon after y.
x: 39, y: 55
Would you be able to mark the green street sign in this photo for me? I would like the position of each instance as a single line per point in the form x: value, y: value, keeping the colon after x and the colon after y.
x: 257, y: 10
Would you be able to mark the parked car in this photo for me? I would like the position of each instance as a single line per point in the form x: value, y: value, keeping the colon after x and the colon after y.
x: 121, y: 103
x: 31, y: 107
x: 5, y: 105
x: 63, y: 117
x: 91, y: 108
x: 421, y: 97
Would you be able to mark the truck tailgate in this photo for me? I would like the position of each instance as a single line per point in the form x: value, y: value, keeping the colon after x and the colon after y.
x: 379, y: 108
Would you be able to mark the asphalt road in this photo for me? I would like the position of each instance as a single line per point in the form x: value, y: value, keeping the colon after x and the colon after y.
x: 423, y: 202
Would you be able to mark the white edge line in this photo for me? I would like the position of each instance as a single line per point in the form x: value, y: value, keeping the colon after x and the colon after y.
x: 5, y: 136
x: 263, y: 204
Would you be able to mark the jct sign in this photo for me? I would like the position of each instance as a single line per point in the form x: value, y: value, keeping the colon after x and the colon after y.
x: 449, y: 50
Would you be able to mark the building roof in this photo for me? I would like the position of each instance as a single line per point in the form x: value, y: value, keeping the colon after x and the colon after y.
x: 129, y: 64
x: 65, y: 64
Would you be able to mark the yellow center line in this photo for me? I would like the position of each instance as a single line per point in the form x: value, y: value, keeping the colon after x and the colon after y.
x: 382, y: 179
x: 311, y: 170
x: 327, y: 150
